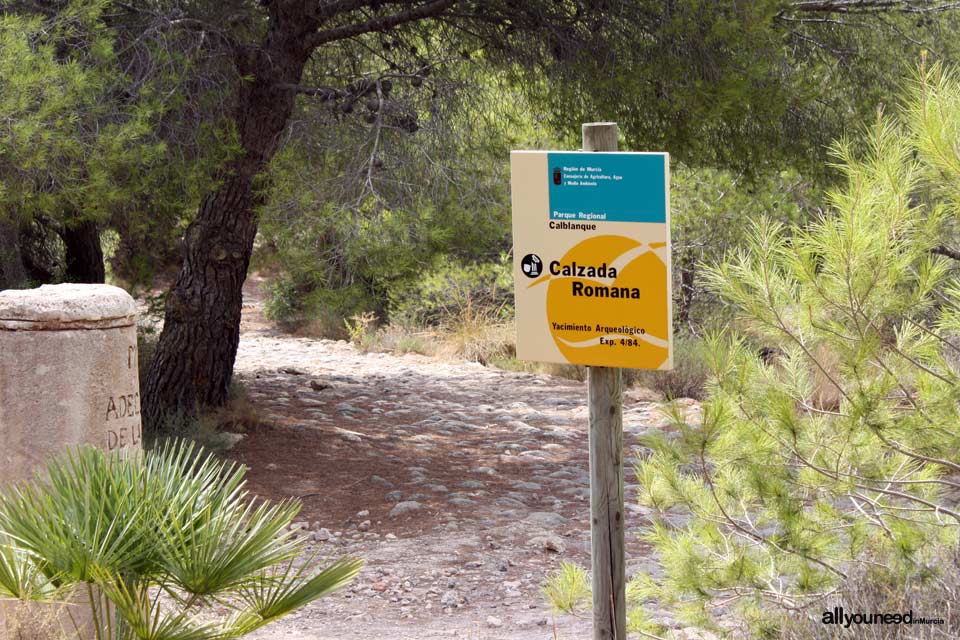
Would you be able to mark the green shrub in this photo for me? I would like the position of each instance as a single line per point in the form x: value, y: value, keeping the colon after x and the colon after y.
x: 284, y: 304
x: 454, y: 292
x: 835, y: 459
x: 148, y: 542
x: 305, y: 309
x: 708, y: 210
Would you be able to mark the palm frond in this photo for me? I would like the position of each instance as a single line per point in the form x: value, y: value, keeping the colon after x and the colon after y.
x: 272, y: 595
x: 141, y: 616
x: 21, y: 577
x: 81, y: 510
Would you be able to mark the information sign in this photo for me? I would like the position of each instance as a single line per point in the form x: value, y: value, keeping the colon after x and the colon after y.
x: 591, y: 242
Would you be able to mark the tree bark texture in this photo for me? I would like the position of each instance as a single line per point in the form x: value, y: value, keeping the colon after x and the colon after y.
x: 193, y: 362
x: 688, y: 271
x: 35, y: 241
x: 84, y: 254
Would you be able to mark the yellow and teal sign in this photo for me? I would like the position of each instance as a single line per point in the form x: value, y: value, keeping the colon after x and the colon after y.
x: 591, y: 242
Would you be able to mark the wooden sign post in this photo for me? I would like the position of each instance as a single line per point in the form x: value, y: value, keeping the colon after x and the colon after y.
x: 606, y: 469
x: 591, y: 242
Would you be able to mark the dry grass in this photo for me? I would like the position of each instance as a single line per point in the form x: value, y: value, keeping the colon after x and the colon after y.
x: 399, y: 339
x: 687, y: 379
x: 477, y: 338
x: 327, y: 325
x: 561, y: 370
x: 215, y: 428
x: 826, y: 395
x: 471, y: 335
x: 239, y: 415
x: 935, y: 595
x: 31, y: 621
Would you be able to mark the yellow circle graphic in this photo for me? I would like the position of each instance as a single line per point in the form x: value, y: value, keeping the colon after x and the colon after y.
x: 601, y: 318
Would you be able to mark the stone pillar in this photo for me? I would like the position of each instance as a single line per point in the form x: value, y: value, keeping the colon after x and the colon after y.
x: 68, y: 373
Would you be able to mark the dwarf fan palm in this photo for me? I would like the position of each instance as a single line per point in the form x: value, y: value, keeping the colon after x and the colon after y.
x: 148, y: 541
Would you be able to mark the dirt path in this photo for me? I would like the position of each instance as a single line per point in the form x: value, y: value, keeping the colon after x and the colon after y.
x: 460, y: 486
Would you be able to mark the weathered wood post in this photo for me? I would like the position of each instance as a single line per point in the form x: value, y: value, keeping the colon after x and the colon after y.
x: 606, y: 468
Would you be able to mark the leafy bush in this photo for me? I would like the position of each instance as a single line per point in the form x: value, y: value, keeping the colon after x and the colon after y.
x: 708, y: 208
x: 371, y: 209
x: 787, y: 492
x: 147, y: 541
x: 284, y: 303
x: 346, y: 263
x: 454, y: 292
x: 305, y: 309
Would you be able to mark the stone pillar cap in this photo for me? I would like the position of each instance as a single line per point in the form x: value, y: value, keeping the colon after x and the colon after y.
x: 66, y: 306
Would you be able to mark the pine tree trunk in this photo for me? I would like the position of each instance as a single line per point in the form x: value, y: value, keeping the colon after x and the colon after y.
x: 193, y: 362
x: 34, y: 242
x: 84, y: 255
x: 13, y: 275
x: 687, y: 268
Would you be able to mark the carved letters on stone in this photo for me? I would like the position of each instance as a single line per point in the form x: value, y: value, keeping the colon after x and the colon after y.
x: 119, y: 407
x: 124, y: 436
x: 124, y: 405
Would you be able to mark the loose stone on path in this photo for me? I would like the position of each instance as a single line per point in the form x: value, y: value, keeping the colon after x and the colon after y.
x: 402, y: 508
x: 469, y: 474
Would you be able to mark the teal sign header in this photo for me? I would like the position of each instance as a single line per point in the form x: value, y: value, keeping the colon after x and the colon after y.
x: 608, y: 187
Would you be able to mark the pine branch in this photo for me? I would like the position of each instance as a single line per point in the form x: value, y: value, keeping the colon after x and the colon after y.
x: 754, y: 535
x: 327, y: 10
x: 943, y: 250
x: 871, y: 6
x: 383, y: 23
x: 324, y: 93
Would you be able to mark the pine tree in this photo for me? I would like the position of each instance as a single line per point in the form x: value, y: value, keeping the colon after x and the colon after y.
x: 837, y: 457
x: 840, y: 451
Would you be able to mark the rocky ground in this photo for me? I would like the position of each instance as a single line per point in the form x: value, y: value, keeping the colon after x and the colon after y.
x: 461, y: 486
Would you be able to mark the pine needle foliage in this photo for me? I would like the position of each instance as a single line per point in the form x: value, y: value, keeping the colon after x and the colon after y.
x: 148, y: 542
x: 840, y: 453
x: 567, y: 588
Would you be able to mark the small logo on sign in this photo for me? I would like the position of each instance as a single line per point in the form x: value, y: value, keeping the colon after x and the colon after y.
x: 532, y: 265
x: 557, y: 176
